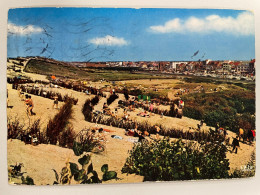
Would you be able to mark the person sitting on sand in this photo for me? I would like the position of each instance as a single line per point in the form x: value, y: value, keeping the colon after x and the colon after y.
x: 105, y: 108
x: 97, y: 128
x: 141, y: 135
x: 143, y: 114
x: 101, y: 136
x: 34, y: 140
x: 93, y: 135
x: 129, y: 132
x: 126, y: 116
x: 56, y: 102
x: 157, y: 128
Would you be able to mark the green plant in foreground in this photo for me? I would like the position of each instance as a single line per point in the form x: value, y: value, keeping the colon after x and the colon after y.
x: 27, y: 181
x: 15, y: 175
x: 165, y: 160
x: 84, y: 175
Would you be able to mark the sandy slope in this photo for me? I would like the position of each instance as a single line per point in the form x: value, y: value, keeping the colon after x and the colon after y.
x: 39, y: 160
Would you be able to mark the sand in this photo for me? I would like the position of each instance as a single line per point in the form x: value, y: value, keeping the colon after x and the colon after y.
x: 40, y: 160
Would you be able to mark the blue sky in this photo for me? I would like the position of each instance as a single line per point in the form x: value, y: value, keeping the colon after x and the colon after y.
x: 107, y: 34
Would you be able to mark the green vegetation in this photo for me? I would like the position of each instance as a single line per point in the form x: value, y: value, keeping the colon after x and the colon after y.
x: 84, y: 175
x: 165, y: 160
x: 231, y: 108
x: 17, y: 176
x: 64, y: 70
x: 57, y: 69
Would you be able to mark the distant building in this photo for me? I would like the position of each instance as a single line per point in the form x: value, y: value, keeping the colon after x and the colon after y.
x: 89, y: 64
x: 226, y: 66
x: 252, y: 66
x: 174, y: 65
x: 243, y: 68
x: 162, y: 66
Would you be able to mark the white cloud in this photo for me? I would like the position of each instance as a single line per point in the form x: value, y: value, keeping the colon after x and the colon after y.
x: 109, y: 41
x: 243, y: 24
x: 23, y: 30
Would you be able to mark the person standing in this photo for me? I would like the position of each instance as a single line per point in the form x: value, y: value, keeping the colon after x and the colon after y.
x: 235, y: 144
x: 30, y: 106
x: 56, y: 102
x: 151, y: 107
x: 158, y: 129
x: 241, y: 133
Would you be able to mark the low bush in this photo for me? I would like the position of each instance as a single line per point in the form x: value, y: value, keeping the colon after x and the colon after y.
x: 225, y: 108
x: 83, y: 173
x: 14, y: 128
x: 111, y: 99
x: 66, y: 137
x: 58, y: 124
x: 35, y: 131
x: 16, y: 175
x: 85, y: 142
x: 165, y: 160
x: 87, y: 110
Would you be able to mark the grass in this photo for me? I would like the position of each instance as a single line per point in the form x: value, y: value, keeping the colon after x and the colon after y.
x: 63, y: 70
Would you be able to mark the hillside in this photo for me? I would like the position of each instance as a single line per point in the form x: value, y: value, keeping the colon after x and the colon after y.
x: 45, y: 66
x: 49, y: 67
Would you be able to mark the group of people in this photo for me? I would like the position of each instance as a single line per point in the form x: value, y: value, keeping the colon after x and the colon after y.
x: 98, y: 134
x: 249, y: 137
x: 241, y: 136
x: 142, y: 134
x: 27, y: 101
x: 136, y: 133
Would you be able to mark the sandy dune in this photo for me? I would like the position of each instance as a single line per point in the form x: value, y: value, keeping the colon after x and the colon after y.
x: 39, y: 160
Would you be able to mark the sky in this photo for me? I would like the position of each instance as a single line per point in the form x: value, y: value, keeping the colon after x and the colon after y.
x: 123, y: 34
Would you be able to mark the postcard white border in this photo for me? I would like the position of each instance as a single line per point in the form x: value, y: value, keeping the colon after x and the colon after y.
x: 234, y: 186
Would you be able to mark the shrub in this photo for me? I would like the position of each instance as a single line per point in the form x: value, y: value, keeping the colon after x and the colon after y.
x: 95, y: 100
x: 35, y: 130
x: 14, y: 128
x: 87, y: 110
x: 35, y: 127
x: 126, y: 93
x: 59, y: 122
x: 84, y: 175
x: 111, y: 99
x: 84, y: 142
x: 225, y: 107
x: 66, y: 138
x: 165, y: 160
x: 14, y: 172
